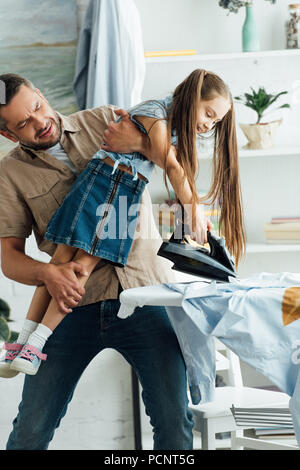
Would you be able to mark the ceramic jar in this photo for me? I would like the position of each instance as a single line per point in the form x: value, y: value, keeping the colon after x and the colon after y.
x: 293, y: 27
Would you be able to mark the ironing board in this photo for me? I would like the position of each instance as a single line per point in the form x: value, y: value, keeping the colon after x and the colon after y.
x: 160, y: 295
x: 149, y: 295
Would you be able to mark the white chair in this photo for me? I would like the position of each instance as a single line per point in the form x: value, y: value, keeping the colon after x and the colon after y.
x: 215, y: 417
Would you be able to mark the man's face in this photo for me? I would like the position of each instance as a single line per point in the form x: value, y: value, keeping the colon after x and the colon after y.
x: 30, y: 120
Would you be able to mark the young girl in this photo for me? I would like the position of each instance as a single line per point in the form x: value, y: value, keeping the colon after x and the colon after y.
x: 200, y: 103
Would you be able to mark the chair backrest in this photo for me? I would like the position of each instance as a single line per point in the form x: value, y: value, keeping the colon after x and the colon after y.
x: 227, y: 360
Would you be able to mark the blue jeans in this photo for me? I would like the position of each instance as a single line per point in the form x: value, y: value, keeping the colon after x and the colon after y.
x: 99, y: 214
x: 145, y: 339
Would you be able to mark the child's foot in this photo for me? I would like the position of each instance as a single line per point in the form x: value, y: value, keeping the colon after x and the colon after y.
x: 28, y: 360
x: 12, y: 350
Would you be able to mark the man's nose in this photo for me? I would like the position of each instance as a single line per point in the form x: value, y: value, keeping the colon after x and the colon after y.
x: 40, y: 122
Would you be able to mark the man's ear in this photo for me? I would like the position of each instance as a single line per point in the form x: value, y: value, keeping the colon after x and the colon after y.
x: 41, y: 95
x: 9, y: 136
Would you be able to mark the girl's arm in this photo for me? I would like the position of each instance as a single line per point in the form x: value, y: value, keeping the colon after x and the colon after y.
x: 123, y: 136
x: 157, y: 151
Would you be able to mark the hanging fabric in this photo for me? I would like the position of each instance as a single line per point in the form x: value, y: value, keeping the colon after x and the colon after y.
x: 110, y: 64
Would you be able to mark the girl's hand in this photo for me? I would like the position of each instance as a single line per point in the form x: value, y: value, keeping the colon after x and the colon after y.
x: 202, y: 225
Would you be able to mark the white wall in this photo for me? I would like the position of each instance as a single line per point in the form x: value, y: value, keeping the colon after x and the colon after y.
x: 100, y: 415
x: 204, y: 26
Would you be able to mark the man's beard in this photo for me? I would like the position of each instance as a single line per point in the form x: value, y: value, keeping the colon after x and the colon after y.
x: 46, y: 145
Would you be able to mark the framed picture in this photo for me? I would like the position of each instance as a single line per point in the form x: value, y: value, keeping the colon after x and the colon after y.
x: 38, y: 40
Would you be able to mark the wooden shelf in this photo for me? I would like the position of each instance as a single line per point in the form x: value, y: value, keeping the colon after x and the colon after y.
x: 273, y: 152
x: 225, y: 56
x: 271, y: 248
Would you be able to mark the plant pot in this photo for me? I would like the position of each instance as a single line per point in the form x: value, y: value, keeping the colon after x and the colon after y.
x: 260, y: 136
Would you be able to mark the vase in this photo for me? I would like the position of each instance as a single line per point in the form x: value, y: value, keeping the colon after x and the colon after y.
x: 250, y: 36
x: 260, y: 136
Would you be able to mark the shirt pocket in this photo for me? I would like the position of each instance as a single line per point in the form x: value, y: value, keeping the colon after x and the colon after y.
x: 44, y: 198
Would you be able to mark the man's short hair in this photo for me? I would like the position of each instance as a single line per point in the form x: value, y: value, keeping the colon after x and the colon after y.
x: 9, y: 87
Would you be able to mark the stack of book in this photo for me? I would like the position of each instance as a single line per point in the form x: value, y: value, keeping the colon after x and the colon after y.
x: 283, y: 230
x: 266, y: 423
x: 274, y: 433
x: 170, y: 53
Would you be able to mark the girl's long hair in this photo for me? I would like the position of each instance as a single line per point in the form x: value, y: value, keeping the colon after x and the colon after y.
x: 225, y: 190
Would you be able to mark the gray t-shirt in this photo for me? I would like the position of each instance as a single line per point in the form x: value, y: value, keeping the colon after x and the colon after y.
x: 58, y: 152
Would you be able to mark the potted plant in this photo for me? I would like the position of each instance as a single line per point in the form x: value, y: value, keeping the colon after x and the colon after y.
x: 6, y: 335
x: 261, y: 134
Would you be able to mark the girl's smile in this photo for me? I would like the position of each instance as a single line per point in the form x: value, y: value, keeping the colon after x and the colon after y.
x: 210, y: 112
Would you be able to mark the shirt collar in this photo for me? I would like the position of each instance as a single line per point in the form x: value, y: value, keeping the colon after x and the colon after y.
x: 68, y: 123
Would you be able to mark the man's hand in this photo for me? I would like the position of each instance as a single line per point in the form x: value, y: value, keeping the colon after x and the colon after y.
x: 123, y: 136
x: 60, y: 280
x: 63, y: 285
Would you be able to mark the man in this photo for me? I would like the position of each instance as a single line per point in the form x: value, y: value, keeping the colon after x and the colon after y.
x: 34, y: 178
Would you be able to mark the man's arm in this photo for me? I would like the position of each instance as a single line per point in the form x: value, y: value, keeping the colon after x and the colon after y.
x: 60, y: 280
x: 16, y: 265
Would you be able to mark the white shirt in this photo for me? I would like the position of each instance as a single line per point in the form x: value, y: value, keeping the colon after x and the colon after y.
x: 58, y: 152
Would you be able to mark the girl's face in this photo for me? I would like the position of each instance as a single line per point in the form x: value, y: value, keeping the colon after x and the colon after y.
x: 210, y: 112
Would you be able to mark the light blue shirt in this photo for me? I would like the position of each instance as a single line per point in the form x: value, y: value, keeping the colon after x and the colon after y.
x: 158, y: 109
x: 250, y: 317
x: 110, y: 63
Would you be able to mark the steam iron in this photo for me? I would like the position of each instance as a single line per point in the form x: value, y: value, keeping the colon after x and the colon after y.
x: 214, y: 263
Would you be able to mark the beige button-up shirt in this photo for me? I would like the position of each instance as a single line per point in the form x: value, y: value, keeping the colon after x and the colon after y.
x: 33, y: 184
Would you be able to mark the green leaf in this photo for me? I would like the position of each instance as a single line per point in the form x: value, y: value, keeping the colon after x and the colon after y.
x: 4, y: 309
x: 259, y: 101
x: 4, y: 330
x: 13, y: 337
x: 275, y: 97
